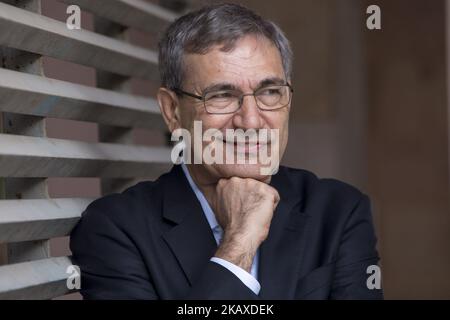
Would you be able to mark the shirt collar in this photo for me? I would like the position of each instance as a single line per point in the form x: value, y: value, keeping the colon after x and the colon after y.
x: 209, y: 213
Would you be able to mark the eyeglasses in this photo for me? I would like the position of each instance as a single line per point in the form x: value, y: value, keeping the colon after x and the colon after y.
x: 267, y: 98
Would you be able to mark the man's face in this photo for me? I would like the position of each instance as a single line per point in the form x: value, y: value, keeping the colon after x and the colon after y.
x: 254, y: 62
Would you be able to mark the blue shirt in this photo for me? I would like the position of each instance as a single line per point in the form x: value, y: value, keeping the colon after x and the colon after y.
x: 250, y: 280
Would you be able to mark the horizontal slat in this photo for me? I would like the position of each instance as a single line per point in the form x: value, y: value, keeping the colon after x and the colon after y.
x: 32, y: 32
x: 25, y: 220
x: 22, y: 156
x: 131, y: 13
x: 40, y: 279
x: 40, y: 96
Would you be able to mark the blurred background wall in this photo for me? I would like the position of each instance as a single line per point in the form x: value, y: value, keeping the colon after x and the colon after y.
x: 370, y: 108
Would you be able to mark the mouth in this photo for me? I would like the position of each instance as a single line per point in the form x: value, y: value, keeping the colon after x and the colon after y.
x: 246, y: 147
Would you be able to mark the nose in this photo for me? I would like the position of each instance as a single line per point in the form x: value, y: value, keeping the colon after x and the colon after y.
x: 249, y: 115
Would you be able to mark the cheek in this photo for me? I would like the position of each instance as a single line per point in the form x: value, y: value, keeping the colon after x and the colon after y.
x: 219, y: 122
x: 279, y: 121
x: 202, y: 121
x: 285, y: 133
x: 188, y: 114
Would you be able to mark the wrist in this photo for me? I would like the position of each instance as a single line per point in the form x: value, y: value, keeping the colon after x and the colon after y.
x: 238, y: 250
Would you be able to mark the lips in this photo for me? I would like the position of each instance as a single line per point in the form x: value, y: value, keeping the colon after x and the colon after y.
x: 245, y: 147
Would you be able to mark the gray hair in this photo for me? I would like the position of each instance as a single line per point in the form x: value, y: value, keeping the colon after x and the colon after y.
x: 221, y: 24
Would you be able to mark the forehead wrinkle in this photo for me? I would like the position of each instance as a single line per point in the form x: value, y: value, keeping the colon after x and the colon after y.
x: 249, y: 76
x: 248, y: 62
x: 253, y: 44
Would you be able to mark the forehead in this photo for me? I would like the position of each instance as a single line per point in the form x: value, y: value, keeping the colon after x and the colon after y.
x: 252, y: 60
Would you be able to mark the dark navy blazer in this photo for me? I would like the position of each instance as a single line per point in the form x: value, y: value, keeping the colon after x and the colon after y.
x: 153, y: 241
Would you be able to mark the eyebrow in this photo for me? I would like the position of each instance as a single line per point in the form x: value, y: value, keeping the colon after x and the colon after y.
x: 220, y: 86
x: 271, y: 81
x: 229, y: 86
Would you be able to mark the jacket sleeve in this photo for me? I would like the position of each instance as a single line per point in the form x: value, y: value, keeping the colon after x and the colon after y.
x: 357, y: 252
x: 111, y: 266
x: 219, y: 283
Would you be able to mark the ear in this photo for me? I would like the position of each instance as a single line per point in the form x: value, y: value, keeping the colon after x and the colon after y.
x: 169, y: 105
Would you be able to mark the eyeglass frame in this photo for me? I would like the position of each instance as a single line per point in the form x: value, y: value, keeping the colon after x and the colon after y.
x: 241, y: 98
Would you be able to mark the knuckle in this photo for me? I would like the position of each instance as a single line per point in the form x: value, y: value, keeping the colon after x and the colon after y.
x: 221, y: 183
x: 234, y: 179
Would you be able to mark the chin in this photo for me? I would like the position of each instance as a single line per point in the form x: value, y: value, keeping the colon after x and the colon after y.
x: 252, y: 171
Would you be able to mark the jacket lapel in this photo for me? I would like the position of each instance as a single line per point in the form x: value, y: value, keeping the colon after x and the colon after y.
x: 192, y: 242
x: 280, y: 253
x: 191, y: 239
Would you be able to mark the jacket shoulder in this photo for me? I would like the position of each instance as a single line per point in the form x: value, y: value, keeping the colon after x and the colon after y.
x: 322, y: 190
x: 310, y: 179
x: 127, y: 208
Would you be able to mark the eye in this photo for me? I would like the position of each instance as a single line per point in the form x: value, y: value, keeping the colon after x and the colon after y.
x: 270, y: 91
x: 220, y: 95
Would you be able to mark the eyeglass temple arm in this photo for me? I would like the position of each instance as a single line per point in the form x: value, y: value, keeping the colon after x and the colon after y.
x: 179, y: 91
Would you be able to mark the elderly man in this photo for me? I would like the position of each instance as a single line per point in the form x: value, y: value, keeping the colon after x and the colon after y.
x: 224, y: 229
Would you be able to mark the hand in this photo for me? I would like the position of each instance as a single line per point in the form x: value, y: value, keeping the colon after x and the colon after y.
x: 244, y: 209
